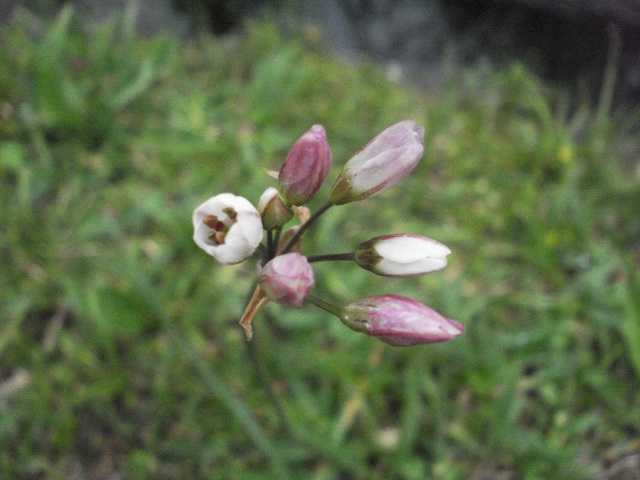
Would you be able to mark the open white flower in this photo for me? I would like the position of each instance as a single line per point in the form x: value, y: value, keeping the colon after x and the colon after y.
x: 227, y: 227
x: 401, y: 255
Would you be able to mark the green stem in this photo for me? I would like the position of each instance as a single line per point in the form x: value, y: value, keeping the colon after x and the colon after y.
x: 276, y: 239
x: 331, y: 257
x: 268, y: 384
x: 326, y: 306
x: 264, y: 254
x: 270, y: 247
x: 305, y: 226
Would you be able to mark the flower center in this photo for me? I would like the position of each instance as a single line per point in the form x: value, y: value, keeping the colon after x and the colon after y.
x: 219, y: 228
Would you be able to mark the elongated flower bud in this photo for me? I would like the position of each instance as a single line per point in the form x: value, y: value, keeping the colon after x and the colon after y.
x: 399, y: 321
x: 273, y: 210
x: 379, y: 165
x: 306, y: 166
x: 287, y: 279
x: 401, y: 255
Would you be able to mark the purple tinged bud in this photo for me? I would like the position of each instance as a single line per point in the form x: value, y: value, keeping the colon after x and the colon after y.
x: 273, y: 210
x: 399, y: 321
x: 401, y: 255
x: 380, y: 164
x: 287, y: 279
x: 306, y: 166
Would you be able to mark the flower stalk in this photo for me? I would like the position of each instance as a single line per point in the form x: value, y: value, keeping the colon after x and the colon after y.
x: 304, y: 227
x: 326, y: 306
x: 332, y: 257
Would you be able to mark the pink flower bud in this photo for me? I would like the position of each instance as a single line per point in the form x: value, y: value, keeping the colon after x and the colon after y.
x: 227, y: 227
x: 273, y: 210
x: 380, y: 164
x: 306, y: 166
x: 401, y: 255
x: 287, y: 279
x: 399, y: 321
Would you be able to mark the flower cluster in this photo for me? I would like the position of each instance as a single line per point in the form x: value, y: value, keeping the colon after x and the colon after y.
x: 231, y: 229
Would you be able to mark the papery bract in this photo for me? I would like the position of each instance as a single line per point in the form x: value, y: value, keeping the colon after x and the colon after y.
x: 287, y: 279
x: 401, y: 255
x: 306, y: 166
x: 399, y: 321
x: 227, y: 227
x: 382, y: 163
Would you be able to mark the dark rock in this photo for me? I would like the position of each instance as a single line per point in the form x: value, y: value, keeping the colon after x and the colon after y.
x: 624, y: 12
x: 570, y: 42
x: 221, y: 16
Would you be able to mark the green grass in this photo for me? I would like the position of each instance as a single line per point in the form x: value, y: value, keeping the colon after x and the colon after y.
x: 119, y: 344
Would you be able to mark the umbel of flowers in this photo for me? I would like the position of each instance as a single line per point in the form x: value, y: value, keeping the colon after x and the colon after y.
x: 231, y: 229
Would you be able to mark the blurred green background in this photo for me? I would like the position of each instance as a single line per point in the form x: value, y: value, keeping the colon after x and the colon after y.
x: 120, y: 354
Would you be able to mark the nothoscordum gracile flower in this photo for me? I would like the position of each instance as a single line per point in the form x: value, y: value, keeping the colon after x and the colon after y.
x: 306, y: 166
x: 227, y: 227
x: 399, y: 321
x: 401, y: 255
x: 287, y: 279
x: 379, y: 165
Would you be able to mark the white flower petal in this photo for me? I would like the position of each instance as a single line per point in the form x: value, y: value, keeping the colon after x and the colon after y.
x: 410, y: 248
x: 411, y: 268
x: 231, y: 253
x: 266, y: 197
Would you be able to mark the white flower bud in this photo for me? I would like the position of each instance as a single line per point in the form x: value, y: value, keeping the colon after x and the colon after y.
x: 273, y: 210
x: 401, y: 255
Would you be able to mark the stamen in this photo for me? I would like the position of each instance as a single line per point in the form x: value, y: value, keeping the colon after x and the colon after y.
x: 231, y: 212
x: 219, y: 237
x: 212, y: 222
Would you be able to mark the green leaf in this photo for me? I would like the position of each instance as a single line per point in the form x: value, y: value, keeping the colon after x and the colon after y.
x: 631, y: 321
x: 117, y: 312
